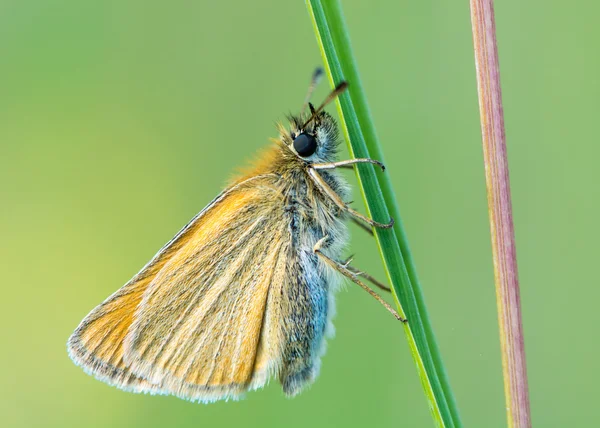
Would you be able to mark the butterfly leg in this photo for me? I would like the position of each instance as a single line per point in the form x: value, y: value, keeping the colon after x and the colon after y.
x: 346, y: 163
x: 353, y: 276
x: 318, y: 180
x: 374, y: 281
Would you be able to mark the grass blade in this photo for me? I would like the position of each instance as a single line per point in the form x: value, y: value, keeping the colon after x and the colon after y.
x: 500, y: 213
x: 380, y: 201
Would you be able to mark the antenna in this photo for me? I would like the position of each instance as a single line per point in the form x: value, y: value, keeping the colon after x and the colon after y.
x: 314, y: 81
x: 339, y: 89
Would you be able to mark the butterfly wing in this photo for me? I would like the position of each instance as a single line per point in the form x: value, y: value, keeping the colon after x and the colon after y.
x: 191, y: 322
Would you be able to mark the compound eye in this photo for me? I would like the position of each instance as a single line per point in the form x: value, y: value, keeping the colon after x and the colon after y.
x: 305, y: 145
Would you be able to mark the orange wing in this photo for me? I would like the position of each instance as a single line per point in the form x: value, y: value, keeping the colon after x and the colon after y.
x: 191, y: 322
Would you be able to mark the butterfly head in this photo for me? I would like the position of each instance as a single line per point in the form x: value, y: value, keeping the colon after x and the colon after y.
x: 315, y: 140
x: 313, y: 136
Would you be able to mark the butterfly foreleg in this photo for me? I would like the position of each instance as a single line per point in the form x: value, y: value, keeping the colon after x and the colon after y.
x: 352, y: 274
x: 347, y: 163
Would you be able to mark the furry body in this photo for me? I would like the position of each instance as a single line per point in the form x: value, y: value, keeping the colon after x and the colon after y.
x: 238, y: 296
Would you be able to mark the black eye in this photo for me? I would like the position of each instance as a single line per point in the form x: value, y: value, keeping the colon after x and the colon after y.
x: 305, y: 145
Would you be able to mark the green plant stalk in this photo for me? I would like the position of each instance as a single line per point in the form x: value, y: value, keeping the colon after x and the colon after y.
x: 380, y: 201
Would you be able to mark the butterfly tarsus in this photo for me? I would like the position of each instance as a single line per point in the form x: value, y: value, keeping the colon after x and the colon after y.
x: 353, y: 274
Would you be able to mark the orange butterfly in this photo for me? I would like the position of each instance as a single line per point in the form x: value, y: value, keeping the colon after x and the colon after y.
x: 244, y: 292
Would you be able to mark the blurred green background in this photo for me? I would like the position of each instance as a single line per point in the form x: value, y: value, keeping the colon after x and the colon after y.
x: 119, y: 120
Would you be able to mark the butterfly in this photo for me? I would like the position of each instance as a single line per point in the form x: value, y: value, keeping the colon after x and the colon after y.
x: 245, y: 291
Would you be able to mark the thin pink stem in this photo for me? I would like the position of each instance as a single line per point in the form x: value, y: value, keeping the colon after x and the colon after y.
x: 500, y: 213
